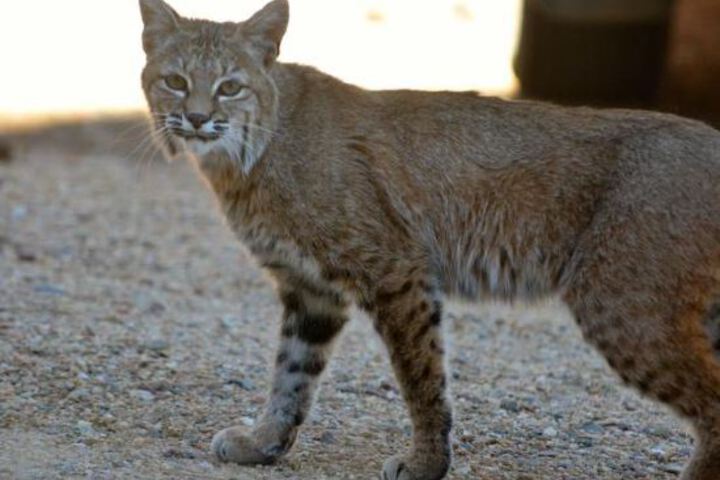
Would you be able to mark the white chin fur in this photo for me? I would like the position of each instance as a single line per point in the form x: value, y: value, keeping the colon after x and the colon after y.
x: 200, y: 148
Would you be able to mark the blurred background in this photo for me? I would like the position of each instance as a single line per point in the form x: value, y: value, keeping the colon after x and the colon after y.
x: 85, y: 56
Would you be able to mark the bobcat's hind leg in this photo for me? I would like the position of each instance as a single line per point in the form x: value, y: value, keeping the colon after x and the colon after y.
x: 408, y: 316
x: 655, y: 340
x: 311, y: 322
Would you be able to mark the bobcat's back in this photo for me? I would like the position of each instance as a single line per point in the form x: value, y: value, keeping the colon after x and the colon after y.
x: 494, y: 196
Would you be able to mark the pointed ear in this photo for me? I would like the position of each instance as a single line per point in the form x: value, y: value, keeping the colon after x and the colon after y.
x: 160, y: 21
x: 265, y: 30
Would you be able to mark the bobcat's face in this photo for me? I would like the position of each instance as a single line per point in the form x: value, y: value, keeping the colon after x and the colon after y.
x: 207, y: 83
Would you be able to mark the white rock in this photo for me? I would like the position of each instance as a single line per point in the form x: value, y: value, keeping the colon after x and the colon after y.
x: 142, y: 395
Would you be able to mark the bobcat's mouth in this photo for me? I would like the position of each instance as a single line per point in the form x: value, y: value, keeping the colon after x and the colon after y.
x: 202, y: 137
x: 179, y: 125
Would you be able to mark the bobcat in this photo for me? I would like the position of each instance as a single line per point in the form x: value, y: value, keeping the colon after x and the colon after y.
x: 393, y: 200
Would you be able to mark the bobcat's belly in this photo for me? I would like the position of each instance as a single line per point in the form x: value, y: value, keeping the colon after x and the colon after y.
x: 494, y: 275
x: 476, y: 266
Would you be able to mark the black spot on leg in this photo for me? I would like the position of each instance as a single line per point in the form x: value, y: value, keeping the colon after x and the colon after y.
x: 604, y: 345
x: 288, y: 330
x: 299, y: 419
x: 332, y: 275
x: 294, y: 367
x: 377, y: 326
x: 386, y: 296
x: 291, y: 301
x: 669, y: 394
x: 686, y: 411
x: 281, y: 358
x: 436, y: 316
x: 627, y: 363
x: 411, y: 315
x: 512, y: 279
x: 436, y: 348
x: 395, y: 336
x: 366, y: 305
x: 318, y: 329
x: 504, y: 258
x: 300, y: 387
x: 424, y: 286
x: 313, y: 367
x: 645, y: 383
x: 421, y: 332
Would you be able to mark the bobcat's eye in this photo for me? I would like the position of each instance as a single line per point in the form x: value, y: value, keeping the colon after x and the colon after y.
x: 230, y: 88
x: 176, y: 82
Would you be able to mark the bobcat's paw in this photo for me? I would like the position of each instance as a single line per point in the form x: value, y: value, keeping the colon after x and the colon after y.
x: 404, y: 468
x: 232, y: 445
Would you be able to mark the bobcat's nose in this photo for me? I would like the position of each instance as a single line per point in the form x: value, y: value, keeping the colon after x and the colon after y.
x: 197, y: 119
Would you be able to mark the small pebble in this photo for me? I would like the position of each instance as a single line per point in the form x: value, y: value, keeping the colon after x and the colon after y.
x: 327, y: 438
x: 591, y: 427
x: 510, y: 406
x: 228, y: 321
x: 658, y: 452
x: 85, y: 428
x: 79, y: 394
x: 158, y: 345
x: 142, y: 395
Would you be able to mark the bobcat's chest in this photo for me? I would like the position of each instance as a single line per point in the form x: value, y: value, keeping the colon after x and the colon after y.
x: 286, y: 260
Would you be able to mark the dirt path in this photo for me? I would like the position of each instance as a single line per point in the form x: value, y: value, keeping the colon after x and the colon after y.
x: 133, y: 326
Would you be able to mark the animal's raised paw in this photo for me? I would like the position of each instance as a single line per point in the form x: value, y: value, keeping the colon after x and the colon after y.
x: 233, y: 445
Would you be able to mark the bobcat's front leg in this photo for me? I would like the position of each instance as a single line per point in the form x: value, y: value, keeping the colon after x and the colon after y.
x: 311, y: 321
x: 408, y: 317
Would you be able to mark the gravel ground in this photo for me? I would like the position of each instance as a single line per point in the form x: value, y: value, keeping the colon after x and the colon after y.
x: 133, y: 326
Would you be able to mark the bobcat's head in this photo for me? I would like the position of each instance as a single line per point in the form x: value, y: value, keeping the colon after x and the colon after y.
x: 208, y: 83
